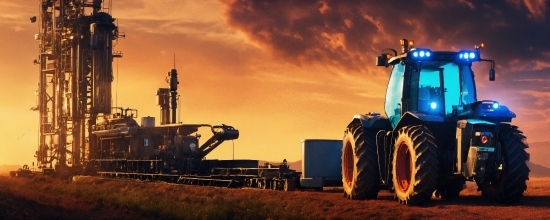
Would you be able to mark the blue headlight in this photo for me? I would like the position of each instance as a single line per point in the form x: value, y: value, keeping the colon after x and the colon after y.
x: 495, y: 105
x: 420, y: 54
x: 467, y: 55
x: 433, y: 105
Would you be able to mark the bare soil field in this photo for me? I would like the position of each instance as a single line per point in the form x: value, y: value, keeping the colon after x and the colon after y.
x: 92, y: 198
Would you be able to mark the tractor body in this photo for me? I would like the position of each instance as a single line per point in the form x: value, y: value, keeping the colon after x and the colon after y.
x: 435, y: 135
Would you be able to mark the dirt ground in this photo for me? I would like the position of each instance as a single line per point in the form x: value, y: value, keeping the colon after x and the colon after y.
x: 329, y: 204
x: 470, y: 205
x: 14, y: 206
x: 17, y: 207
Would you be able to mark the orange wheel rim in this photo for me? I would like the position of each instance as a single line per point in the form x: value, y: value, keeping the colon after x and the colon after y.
x: 348, y: 163
x: 403, y: 167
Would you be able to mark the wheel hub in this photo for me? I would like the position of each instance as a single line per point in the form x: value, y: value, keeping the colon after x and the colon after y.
x: 348, y: 164
x: 403, y: 167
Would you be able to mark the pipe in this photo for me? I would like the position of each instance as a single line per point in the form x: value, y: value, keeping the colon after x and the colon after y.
x: 173, y: 93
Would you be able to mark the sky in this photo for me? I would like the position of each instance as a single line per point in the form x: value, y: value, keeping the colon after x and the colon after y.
x: 284, y: 71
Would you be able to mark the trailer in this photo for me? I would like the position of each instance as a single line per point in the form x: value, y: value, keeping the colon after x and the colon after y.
x: 321, y: 163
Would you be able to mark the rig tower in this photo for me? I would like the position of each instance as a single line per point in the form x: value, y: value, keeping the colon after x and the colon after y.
x: 75, y: 75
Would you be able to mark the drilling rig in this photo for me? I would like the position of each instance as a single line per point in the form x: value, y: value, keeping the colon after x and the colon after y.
x: 81, y: 133
x: 75, y: 75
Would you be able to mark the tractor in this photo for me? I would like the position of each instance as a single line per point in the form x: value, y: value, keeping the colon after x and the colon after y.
x: 436, y: 135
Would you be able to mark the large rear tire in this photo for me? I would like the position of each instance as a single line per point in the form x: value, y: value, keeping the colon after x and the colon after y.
x: 508, y: 184
x: 360, y: 175
x: 414, y: 165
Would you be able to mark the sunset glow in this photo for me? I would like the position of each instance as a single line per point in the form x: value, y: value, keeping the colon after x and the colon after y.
x: 283, y: 71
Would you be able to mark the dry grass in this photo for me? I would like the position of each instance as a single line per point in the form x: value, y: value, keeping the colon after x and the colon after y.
x: 156, y: 199
x: 168, y: 201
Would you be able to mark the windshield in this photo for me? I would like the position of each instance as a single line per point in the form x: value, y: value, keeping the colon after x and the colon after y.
x: 392, y: 105
x: 443, y: 87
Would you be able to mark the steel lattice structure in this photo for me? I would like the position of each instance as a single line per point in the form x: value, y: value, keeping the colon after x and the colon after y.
x: 75, y: 58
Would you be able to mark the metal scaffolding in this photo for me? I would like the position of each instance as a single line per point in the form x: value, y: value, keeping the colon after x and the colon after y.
x: 75, y: 58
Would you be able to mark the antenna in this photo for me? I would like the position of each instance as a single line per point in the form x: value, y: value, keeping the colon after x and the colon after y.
x: 174, y: 60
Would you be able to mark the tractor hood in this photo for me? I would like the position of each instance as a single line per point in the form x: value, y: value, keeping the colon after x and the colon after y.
x: 487, y: 110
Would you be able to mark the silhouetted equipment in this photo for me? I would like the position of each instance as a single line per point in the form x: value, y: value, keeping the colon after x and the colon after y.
x: 436, y: 135
x: 82, y: 133
x: 75, y: 57
x: 79, y: 128
x: 24, y: 171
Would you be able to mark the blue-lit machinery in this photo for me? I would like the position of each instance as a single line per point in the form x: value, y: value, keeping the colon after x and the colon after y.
x: 436, y: 134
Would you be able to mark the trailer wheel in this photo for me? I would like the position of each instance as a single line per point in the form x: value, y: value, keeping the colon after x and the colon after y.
x: 359, y: 163
x: 508, y: 184
x: 414, y: 166
x: 290, y: 185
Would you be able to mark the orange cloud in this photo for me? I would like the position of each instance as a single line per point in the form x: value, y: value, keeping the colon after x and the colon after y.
x: 537, y: 8
x: 349, y: 34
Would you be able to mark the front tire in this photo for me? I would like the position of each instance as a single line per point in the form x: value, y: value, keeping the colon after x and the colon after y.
x: 508, y: 184
x: 360, y: 173
x: 414, y: 166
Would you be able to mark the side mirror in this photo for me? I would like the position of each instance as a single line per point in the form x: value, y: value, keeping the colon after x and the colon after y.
x: 492, y: 74
x: 382, y: 60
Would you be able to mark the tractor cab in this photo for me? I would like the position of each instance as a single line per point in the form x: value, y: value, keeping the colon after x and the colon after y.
x: 435, y: 85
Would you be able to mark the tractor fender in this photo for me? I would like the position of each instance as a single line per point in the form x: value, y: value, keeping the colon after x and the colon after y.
x: 462, y: 123
x: 501, y: 114
x: 415, y: 118
x: 372, y: 120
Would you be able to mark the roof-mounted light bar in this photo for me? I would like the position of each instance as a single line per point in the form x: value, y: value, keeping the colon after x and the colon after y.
x: 420, y: 54
x: 468, y: 56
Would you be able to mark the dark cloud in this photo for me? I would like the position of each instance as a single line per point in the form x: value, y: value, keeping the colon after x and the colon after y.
x: 350, y: 33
